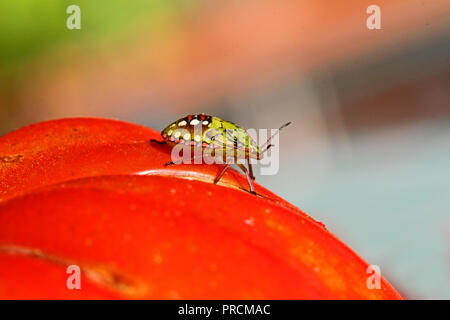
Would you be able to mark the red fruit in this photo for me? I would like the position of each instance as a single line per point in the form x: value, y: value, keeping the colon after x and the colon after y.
x: 74, y: 193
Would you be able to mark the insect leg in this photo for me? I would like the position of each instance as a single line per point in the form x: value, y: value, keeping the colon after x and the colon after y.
x: 250, y: 169
x: 249, y: 180
x: 156, y: 141
x: 172, y: 162
x: 225, y: 168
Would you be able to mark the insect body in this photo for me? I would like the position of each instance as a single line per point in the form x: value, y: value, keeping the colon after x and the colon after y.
x: 224, y: 139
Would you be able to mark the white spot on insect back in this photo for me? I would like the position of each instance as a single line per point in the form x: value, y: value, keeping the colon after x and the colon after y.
x: 177, y: 134
x: 182, y: 123
x: 187, y: 136
x: 205, y: 122
x: 194, y: 122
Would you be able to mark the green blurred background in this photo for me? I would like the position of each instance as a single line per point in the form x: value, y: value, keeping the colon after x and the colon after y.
x: 369, y: 151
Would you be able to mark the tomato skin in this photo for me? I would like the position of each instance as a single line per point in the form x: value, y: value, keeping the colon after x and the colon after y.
x: 59, y: 150
x: 158, y: 236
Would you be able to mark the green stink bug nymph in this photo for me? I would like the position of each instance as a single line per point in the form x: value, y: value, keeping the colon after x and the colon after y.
x: 225, y: 139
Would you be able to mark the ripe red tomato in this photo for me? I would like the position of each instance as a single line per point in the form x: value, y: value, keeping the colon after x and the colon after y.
x: 94, y: 193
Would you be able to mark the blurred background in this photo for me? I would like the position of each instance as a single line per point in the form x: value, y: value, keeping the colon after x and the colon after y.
x: 368, y: 153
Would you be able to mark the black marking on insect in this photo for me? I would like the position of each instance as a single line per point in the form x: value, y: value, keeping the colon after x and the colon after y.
x: 217, y: 134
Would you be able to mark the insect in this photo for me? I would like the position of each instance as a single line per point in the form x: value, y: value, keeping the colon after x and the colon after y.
x: 223, y: 138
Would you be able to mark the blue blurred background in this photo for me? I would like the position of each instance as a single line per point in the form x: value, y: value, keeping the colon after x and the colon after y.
x: 369, y: 151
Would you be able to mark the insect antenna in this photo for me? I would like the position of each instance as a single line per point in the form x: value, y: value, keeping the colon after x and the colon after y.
x: 266, y: 146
